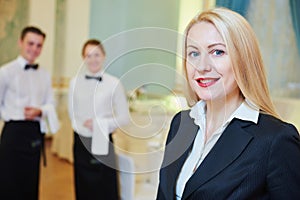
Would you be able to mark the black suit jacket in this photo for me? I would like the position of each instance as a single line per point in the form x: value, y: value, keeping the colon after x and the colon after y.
x: 249, y: 161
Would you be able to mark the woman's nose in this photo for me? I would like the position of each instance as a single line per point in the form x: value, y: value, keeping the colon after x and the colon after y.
x: 204, y: 63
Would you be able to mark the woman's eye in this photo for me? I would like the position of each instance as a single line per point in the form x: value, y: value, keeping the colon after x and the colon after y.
x: 218, y: 52
x: 193, y: 54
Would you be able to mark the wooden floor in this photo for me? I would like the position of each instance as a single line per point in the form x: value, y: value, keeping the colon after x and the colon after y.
x: 56, y: 179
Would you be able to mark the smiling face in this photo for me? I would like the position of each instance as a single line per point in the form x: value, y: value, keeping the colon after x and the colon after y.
x: 94, y: 58
x: 208, y: 64
x: 31, y: 46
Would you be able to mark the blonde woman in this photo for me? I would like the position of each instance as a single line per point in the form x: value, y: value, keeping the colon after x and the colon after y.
x: 231, y: 144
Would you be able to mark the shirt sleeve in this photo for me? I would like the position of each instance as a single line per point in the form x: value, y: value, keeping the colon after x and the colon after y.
x: 2, y: 89
x: 49, y: 116
x: 120, y: 116
x: 70, y: 100
x: 76, y: 123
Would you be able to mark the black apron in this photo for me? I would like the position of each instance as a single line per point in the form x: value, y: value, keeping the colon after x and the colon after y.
x: 20, y: 150
x: 95, y: 176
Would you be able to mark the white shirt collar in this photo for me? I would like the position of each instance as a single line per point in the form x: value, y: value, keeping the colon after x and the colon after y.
x: 22, y: 61
x: 198, y: 112
x: 247, y: 111
x: 99, y: 73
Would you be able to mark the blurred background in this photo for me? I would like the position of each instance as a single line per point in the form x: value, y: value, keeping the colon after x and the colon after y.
x: 143, y: 40
x: 69, y: 23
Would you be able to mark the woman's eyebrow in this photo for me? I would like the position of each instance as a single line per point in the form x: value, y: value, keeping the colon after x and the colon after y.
x: 208, y: 47
x: 191, y: 46
x: 216, y: 44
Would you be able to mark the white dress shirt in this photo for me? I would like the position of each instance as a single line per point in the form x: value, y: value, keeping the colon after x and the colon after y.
x: 103, y: 101
x: 246, y: 111
x: 20, y: 88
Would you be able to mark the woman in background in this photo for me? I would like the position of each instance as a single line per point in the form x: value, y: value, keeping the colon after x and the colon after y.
x: 231, y: 144
x: 97, y: 106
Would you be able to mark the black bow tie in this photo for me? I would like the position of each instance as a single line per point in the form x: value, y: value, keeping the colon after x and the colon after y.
x: 31, y: 66
x: 98, y: 78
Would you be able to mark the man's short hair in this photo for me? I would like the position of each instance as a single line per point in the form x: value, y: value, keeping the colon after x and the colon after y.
x: 32, y: 29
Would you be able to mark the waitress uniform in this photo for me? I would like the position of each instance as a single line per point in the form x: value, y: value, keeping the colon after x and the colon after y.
x: 99, y: 97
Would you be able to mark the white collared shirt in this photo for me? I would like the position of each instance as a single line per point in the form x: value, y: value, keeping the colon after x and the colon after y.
x: 246, y: 111
x: 20, y: 88
x: 97, y: 100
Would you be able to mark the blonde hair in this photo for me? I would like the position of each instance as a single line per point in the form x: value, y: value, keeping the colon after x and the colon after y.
x: 244, y: 52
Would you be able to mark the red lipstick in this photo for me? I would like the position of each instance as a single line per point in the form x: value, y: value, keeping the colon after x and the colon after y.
x: 206, y: 82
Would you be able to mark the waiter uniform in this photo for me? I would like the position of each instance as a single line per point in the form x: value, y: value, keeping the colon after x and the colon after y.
x: 99, y: 97
x: 22, y: 140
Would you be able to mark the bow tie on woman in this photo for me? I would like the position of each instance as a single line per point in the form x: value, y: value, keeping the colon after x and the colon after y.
x: 98, y: 78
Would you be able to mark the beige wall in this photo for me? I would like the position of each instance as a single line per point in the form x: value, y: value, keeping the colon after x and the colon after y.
x: 77, y: 31
x: 42, y: 14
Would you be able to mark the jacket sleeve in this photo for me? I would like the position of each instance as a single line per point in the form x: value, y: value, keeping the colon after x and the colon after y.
x: 283, y: 176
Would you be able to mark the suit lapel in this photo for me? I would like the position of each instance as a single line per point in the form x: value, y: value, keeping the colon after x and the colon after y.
x: 177, y: 151
x: 229, y: 146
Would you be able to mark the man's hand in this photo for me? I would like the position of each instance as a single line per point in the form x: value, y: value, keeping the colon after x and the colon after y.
x: 31, y: 113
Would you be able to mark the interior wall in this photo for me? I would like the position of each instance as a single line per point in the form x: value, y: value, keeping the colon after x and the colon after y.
x: 77, y: 31
x: 13, y: 17
x: 140, y: 38
x: 66, y: 23
x: 42, y: 15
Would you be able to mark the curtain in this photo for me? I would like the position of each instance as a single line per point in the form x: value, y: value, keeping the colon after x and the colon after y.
x: 240, y: 6
x: 295, y: 6
x: 272, y: 23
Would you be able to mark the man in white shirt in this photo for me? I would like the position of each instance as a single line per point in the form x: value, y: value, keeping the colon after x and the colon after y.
x: 26, y: 103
